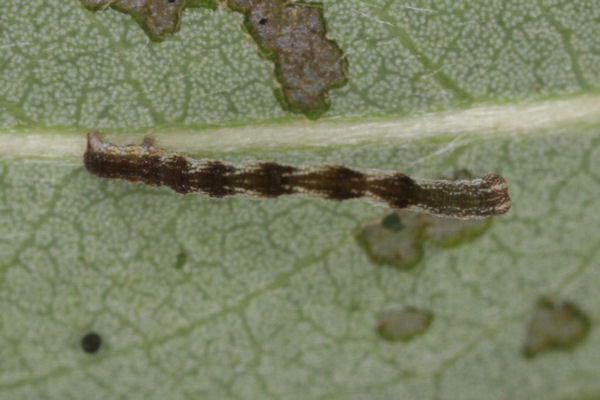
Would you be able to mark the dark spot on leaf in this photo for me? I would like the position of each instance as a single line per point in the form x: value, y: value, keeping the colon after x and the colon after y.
x: 555, y: 324
x: 91, y: 342
x: 397, y: 325
x: 181, y: 259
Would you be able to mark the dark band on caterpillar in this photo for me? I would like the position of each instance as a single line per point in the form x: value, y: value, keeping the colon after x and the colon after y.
x: 477, y: 198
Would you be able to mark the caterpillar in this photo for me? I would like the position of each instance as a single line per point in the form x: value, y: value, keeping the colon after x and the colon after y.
x: 465, y: 199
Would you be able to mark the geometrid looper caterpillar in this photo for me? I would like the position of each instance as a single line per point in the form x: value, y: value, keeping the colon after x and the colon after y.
x: 476, y: 198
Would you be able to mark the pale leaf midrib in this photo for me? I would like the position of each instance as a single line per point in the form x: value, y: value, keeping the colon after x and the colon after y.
x: 480, y: 121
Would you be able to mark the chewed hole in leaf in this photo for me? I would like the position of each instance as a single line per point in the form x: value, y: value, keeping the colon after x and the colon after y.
x: 403, y: 324
x: 395, y: 240
x: 555, y: 324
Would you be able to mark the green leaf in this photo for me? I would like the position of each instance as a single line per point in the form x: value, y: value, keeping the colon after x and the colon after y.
x: 238, y: 298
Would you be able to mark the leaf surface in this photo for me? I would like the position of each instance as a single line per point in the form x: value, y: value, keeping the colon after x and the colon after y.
x: 239, y: 298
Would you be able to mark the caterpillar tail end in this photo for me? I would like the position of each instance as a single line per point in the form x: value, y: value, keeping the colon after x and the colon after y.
x: 500, y: 199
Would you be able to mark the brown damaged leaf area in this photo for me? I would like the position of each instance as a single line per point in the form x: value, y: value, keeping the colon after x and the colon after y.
x: 157, y: 17
x: 292, y: 35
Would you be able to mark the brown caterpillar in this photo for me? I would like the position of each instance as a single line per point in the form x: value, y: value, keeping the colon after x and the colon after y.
x: 476, y: 198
